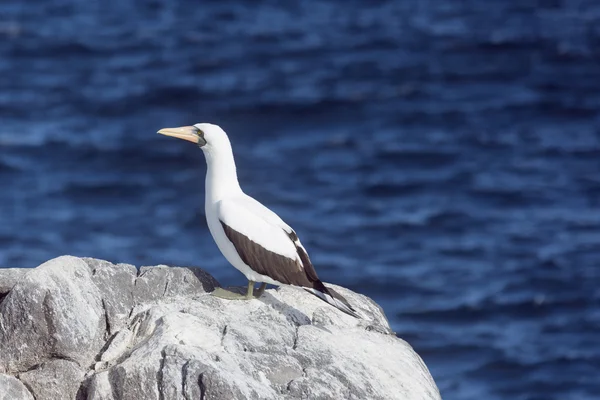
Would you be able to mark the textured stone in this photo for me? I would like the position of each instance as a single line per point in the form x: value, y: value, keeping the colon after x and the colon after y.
x: 116, y: 283
x: 160, y: 335
x: 154, y: 283
x: 8, y: 278
x: 54, y: 311
x: 287, y: 345
x: 13, y: 389
x: 55, y: 379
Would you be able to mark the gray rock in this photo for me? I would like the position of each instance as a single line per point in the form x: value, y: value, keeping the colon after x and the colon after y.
x: 263, y: 349
x: 154, y: 283
x: 8, y: 278
x: 167, y: 338
x: 54, y: 311
x: 13, y: 389
x: 116, y: 283
x: 55, y: 379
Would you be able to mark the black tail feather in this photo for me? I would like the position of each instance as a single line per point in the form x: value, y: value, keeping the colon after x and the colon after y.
x: 333, y: 298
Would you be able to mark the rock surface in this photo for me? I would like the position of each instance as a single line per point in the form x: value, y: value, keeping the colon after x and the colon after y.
x: 8, y: 278
x: 13, y: 389
x: 77, y: 328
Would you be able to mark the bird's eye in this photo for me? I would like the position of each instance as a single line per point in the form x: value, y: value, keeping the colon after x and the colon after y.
x: 201, y: 140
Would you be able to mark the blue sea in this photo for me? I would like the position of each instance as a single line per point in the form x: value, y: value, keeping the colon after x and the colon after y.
x: 441, y: 157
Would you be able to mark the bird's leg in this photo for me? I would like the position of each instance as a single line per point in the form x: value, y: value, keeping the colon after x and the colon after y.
x: 260, y: 290
x: 250, y: 289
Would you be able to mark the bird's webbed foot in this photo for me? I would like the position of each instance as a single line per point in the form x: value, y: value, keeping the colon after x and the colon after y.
x: 231, y: 295
x: 228, y: 294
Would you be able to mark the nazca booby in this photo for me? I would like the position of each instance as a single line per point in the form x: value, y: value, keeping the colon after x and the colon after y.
x: 252, y: 238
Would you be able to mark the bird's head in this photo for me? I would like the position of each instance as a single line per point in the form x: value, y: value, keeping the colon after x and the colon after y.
x: 206, y: 136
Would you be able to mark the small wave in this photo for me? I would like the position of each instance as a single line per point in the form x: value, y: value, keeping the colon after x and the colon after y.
x: 488, y: 310
x: 391, y: 189
x: 95, y: 190
x: 421, y: 157
x: 7, y: 168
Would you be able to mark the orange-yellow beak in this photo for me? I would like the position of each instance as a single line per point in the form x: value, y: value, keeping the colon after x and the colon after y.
x: 189, y: 133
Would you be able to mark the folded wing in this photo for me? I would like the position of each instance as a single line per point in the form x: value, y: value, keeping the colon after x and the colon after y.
x: 265, y: 243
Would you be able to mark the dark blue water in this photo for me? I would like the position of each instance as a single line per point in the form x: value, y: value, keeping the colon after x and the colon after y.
x: 442, y: 157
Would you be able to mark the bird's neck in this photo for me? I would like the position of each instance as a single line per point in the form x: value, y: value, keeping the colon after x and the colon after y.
x: 221, y: 176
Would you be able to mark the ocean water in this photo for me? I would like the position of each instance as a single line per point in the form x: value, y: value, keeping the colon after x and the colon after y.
x: 442, y: 157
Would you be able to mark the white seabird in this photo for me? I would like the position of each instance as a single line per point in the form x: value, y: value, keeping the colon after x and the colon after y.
x: 251, y: 237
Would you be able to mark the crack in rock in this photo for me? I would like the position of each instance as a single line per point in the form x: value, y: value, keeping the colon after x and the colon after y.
x: 29, y: 388
x: 202, y: 386
x: 82, y: 392
x: 166, y: 288
x: 48, y: 313
x: 56, y: 356
x: 106, y: 320
x: 288, y: 386
x: 296, y: 333
x: 32, y: 368
x: 160, y: 375
x: 184, y: 377
x: 223, y: 333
